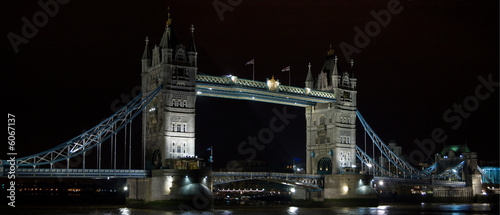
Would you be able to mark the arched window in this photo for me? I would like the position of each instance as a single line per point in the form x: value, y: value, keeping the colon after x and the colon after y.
x: 322, y: 120
x: 180, y: 55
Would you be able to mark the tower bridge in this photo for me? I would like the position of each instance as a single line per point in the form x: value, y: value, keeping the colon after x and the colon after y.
x: 170, y: 85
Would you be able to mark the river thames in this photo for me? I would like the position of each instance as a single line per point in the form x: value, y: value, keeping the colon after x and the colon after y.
x: 424, y: 208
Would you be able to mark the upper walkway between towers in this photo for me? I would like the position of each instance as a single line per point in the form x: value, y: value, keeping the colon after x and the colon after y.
x: 271, y: 91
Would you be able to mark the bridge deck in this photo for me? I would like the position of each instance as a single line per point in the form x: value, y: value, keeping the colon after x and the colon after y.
x: 236, y: 88
x: 82, y: 173
x: 414, y: 181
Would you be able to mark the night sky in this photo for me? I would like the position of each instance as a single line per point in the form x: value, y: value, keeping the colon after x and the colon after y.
x: 428, y: 57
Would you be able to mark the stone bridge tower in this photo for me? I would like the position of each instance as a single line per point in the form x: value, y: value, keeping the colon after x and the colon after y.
x: 169, y: 120
x: 331, y: 128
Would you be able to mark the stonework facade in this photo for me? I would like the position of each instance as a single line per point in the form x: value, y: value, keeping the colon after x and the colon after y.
x: 331, y: 127
x: 169, y: 120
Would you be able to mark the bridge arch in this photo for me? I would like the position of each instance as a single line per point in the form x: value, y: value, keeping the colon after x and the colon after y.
x: 324, y: 166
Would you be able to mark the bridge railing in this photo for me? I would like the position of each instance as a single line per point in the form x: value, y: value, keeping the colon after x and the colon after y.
x: 47, y: 170
x: 250, y: 83
x: 424, y: 181
x: 233, y: 80
x: 266, y: 174
x: 54, y: 172
x: 449, y: 183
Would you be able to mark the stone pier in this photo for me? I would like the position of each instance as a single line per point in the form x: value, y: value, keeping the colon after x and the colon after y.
x: 173, y: 189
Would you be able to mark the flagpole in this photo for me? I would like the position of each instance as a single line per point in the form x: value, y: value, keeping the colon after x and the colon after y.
x: 289, y: 76
x: 253, y: 70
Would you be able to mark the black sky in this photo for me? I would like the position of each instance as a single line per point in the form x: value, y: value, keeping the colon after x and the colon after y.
x: 429, y: 57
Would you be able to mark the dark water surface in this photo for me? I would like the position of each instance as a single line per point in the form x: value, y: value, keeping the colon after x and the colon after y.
x: 425, y: 208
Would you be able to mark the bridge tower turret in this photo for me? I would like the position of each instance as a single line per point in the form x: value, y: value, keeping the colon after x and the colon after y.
x: 309, y: 79
x: 169, y: 120
x: 331, y: 128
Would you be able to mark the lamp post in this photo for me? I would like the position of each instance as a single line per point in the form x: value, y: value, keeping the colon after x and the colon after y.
x: 211, y: 156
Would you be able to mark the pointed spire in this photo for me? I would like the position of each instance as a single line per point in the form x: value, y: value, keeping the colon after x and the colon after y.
x: 192, y: 47
x: 145, y: 55
x: 335, y: 70
x: 309, y: 78
x: 309, y: 74
x: 165, y: 38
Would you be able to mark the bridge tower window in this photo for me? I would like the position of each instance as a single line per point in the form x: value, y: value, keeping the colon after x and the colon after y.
x: 322, y: 120
x: 179, y: 149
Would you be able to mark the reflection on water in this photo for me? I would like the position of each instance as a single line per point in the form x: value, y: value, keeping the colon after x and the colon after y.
x: 427, y: 208
x: 293, y: 210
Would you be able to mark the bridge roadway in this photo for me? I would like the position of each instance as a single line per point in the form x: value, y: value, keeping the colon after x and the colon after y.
x: 313, y: 181
x: 316, y: 181
x: 237, y: 88
x: 414, y: 181
x: 306, y: 180
x: 79, y: 173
